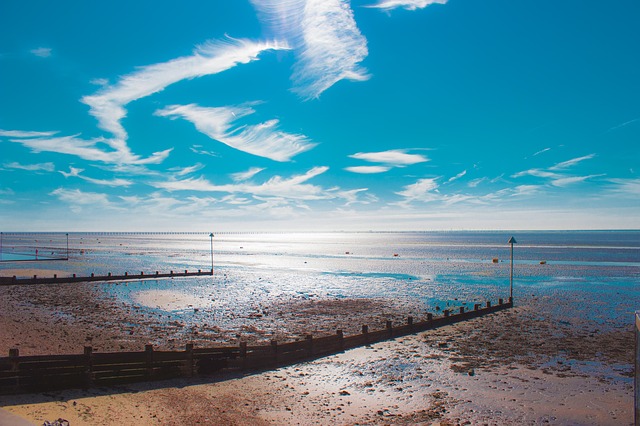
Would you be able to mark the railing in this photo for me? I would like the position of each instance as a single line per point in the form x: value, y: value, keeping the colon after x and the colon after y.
x: 637, y: 371
x: 19, y: 374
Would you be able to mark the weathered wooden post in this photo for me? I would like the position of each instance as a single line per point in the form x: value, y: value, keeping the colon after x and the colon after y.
x: 499, y: 301
x: 243, y: 354
x: 148, y: 349
x: 410, y: 323
x: 14, y: 356
x: 429, y: 316
x: 365, y: 332
x: 476, y: 307
x: 462, y: 309
x: 309, y: 339
x: 88, y: 367
x: 446, y: 312
x: 211, y: 236
x: 389, y: 328
x: 488, y: 303
x: 274, y: 351
x: 340, y: 339
x: 189, y: 367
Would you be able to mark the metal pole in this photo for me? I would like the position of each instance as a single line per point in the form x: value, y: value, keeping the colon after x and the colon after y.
x: 67, y: 246
x: 0, y: 245
x: 211, y: 236
x: 511, y: 276
x: 511, y: 241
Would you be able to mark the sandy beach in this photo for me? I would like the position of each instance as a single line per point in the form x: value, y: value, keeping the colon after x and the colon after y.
x: 513, y: 367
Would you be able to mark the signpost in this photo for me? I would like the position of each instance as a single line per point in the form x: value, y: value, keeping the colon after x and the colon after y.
x: 511, y: 241
x: 211, y: 236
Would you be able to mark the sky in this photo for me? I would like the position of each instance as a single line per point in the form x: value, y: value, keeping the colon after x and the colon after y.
x: 319, y: 115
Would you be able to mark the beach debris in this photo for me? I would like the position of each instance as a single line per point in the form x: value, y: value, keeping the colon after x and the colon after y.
x: 543, y: 262
x: 344, y: 393
x: 471, y: 372
x: 59, y: 422
x: 495, y: 260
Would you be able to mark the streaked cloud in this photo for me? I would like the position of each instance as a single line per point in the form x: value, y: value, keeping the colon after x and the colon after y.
x: 242, y: 176
x: 182, y: 171
x: 294, y: 187
x: 542, y: 151
x: 368, y: 169
x: 629, y: 187
x: 107, y: 105
x: 93, y: 150
x: 24, y: 134
x: 421, y: 190
x: 41, y: 52
x: 569, y: 180
x: 219, y: 123
x: 45, y: 167
x: 394, y: 157
x: 458, y: 176
x: 325, y: 37
x: 572, y: 162
x: 537, y: 173
x: 405, y: 4
x: 77, y: 198
x: 75, y: 172
x: 199, y: 150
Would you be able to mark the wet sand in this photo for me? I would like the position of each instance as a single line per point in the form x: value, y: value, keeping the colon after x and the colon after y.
x: 519, y: 366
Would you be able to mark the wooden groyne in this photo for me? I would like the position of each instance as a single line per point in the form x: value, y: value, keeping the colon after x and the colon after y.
x: 21, y: 374
x: 109, y: 277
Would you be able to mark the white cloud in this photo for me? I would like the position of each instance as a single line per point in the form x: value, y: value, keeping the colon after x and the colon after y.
x: 24, y: 134
x: 198, y: 150
x: 405, y: 4
x: 572, y: 162
x: 368, y: 169
x: 537, y: 173
x: 78, y: 198
x: 289, y: 188
x: 541, y: 151
x: 242, y: 176
x: 263, y: 140
x: 107, y: 105
x: 41, y: 52
x: 75, y: 172
x: 566, y: 181
x: 182, y: 171
x: 395, y: 157
x: 422, y: 190
x: 327, y: 42
x: 626, y: 186
x: 91, y: 150
x: 474, y: 183
x: 458, y: 176
x: 45, y: 167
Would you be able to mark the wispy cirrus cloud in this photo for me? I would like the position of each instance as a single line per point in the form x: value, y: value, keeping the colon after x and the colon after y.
x: 41, y: 52
x: 97, y: 149
x: 630, y: 187
x: 183, y: 171
x: 368, y: 169
x: 76, y: 172
x: 294, y: 187
x: 421, y: 190
x: 456, y: 177
x: 77, y: 198
x: 108, y: 104
x: 570, y: 180
x: 263, y: 139
x: 44, y: 167
x: 242, y: 176
x: 392, y: 158
x: 570, y: 163
x: 325, y: 37
x: 24, y: 134
x: 405, y: 4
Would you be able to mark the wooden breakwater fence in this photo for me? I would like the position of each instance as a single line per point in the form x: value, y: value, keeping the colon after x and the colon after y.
x: 36, y: 373
x: 109, y: 277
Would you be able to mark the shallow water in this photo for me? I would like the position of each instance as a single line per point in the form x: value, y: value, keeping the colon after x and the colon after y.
x: 421, y: 271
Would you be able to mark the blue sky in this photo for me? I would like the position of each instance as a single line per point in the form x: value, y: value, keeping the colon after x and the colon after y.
x: 319, y: 115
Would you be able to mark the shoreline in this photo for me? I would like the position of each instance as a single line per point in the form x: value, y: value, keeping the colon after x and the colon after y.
x: 515, y: 366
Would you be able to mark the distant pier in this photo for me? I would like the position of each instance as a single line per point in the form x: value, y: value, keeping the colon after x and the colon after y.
x: 109, y: 277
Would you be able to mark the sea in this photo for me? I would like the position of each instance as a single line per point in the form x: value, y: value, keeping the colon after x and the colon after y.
x: 424, y: 271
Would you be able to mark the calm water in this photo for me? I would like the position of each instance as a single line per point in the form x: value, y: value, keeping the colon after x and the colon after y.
x: 417, y: 270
